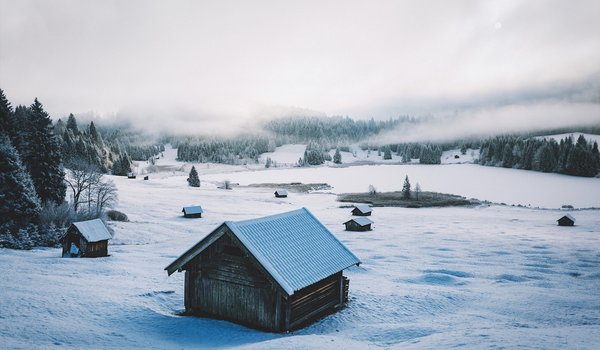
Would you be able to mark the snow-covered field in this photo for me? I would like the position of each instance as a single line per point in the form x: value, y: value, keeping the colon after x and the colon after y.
x: 490, y: 276
x: 498, y: 185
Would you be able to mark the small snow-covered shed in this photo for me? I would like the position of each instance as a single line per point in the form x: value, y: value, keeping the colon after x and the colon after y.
x: 86, y: 239
x: 275, y: 273
x: 193, y: 211
x: 358, y: 224
x: 281, y: 193
x: 566, y: 220
x: 131, y: 175
x: 362, y: 210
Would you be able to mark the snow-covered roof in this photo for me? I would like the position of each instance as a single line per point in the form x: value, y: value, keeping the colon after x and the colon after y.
x: 281, y: 192
x: 93, y: 230
x: 193, y: 209
x: 568, y: 216
x: 293, y: 247
x: 364, y: 208
x: 362, y: 221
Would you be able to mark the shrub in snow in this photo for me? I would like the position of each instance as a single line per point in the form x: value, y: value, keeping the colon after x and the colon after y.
x: 58, y: 215
x: 115, y: 215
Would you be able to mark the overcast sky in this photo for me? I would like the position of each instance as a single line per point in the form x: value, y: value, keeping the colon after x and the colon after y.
x: 212, y: 61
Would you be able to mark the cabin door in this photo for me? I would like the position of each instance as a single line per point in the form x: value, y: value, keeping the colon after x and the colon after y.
x: 73, y: 250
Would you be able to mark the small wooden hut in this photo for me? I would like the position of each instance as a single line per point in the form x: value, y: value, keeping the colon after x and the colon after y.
x: 281, y: 194
x: 358, y: 224
x: 193, y: 211
x: 566, y: 220
x: 131, y: 175
x: 275, y: 273
x: 86, y: 239
x: 146, y: 177
x: 362, y: 210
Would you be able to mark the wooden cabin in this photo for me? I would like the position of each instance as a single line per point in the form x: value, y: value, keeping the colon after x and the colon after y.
x: 131, y: 175
x: 566, y: 220
x: 275, y: 273
x: 362, y: 210
x: 86, y: 239
x: 358, y: 224
x: 146, y: 177
x: 193, y: 211
x: 281, y: 194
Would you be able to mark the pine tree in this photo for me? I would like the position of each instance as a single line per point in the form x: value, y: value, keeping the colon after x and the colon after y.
x: 596, y: 155
x: 19, y: 203
x: 93, y: 132
x: 41, y: 154
x: 507, y: 156
x: 406, y: 157
x: 387, y: 153
x: 581, y: 160
x: 193, y: 179
x: 121, y: 166
x: 72, y: 124
x: 337, y: 156
x: 406, y: 188
x: 6, y: 115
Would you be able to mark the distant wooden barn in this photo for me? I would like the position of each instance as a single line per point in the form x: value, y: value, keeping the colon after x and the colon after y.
x: 281, y: 193
x: 358, y: 224
x: 131, y: 175
x: 566, y: 220
x: 275, y: 273
x: 86, y: 239
x: 362, y: 210
x: 193, y: 211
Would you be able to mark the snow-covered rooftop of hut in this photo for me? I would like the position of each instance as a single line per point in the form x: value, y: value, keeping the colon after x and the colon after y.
x: 93, y: 230
x: 281, y: 192
x: 193, y: 209
x: 364, y: 208
x: 568, y: 216
x: 295, y: 248
x: 362, y: 221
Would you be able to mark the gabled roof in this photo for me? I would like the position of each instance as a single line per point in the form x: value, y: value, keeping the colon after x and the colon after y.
x: 281, y: 192
x: 362, y: 221
x: 568, y: 216
x: 193, y: 209
x: 93, y: 230
x: 364, y: 208
x: 294, y: 248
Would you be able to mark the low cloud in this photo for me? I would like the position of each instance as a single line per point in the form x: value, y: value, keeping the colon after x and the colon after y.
x: 483, y: 122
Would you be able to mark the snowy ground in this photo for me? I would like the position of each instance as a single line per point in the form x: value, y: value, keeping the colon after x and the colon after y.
x: 491, y: 276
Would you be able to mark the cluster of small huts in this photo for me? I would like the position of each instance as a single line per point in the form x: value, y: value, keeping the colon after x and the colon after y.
x: 361, y: 222
x: 275, y: 273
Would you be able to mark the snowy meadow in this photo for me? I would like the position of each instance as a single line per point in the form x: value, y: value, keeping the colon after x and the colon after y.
x: 486, y: 276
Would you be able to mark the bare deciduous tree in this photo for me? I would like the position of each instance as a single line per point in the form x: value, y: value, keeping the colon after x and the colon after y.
x: 105, y: 194
x: 80, y: 177
x: 88, y: 187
